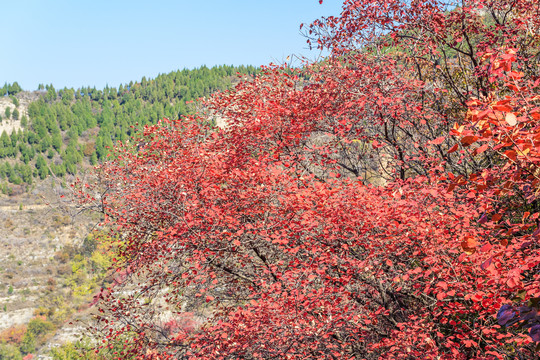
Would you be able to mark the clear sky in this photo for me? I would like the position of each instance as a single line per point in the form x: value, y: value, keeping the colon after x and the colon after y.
x: 78, y: 43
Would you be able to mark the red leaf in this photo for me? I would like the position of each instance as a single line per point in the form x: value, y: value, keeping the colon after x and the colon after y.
x: 376, y: 144
x: 511, y: 154
x: 468, y: 140
x: 453, y: 148
x: 502, y: 107
x: 486, y: 247
x: 481, y: 149
x: 486, y: 263
x: 442, y: 285
x: 437, y: 141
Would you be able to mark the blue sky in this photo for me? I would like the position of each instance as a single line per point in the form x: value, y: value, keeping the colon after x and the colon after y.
x: 78, y: 43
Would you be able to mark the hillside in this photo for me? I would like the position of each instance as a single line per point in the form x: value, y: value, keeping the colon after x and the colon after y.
x: 50, y: 263
x: 55, y: 132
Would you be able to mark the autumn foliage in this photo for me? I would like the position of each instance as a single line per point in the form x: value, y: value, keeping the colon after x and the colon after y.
x: 379, y: 204
x: 13, y: 335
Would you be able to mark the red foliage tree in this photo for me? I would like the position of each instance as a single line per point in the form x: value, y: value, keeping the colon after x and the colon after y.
x: 272, y: 228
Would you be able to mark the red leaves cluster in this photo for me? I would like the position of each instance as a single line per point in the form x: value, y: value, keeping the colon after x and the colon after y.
x: 272, y: 231
x: 13, y: 335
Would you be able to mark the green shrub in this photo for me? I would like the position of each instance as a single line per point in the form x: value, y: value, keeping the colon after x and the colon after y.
x: 39, y: 327
x: 9, y: 352
x: 75, y: 351
x: 28, y: 344
x: 14, y: 100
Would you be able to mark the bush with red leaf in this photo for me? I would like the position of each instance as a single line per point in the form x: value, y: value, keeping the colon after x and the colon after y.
x: 381, y: 204
x: 13, y: 335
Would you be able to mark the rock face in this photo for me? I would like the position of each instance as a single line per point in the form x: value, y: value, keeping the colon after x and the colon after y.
x: 16, y: 317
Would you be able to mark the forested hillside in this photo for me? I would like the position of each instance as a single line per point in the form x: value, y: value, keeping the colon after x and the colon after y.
x: 67, y: 128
